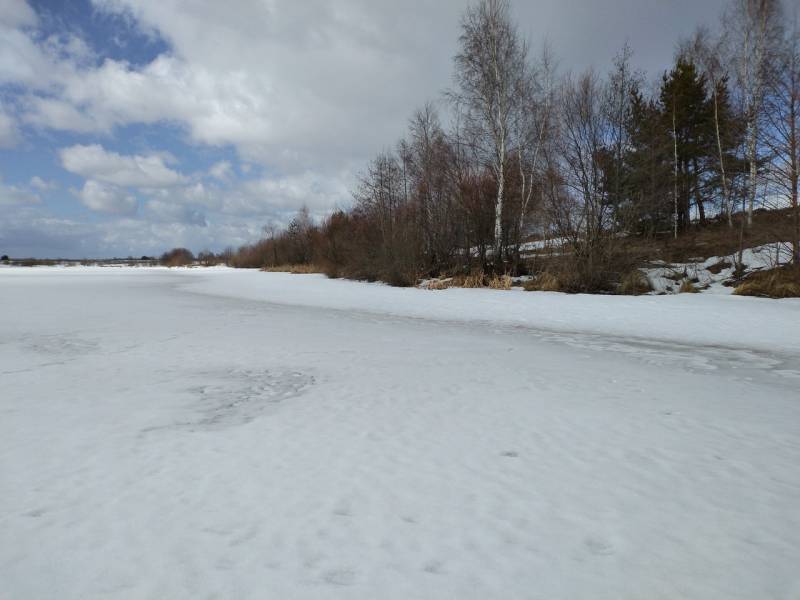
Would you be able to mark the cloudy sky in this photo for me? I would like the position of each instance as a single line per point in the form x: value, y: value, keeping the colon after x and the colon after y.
x: 131, y: 126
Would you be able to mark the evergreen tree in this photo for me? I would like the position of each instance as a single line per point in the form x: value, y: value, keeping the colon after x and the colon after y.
x: 686, y: 115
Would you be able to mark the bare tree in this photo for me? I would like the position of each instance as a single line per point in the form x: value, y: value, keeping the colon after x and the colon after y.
x: 753, y: 33
x: 584, y: 140
x: 617, y: 108
x: 533, y: 123
x: 783, y: 130
x: 490, y: 77
x: 271, y: 230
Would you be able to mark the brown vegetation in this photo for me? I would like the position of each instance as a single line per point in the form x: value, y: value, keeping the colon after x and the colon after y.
x: 783, y: 282
x: 177, y: 257
x: 634, y: 283
x: 296, y: 269
x: 688, y: 287
x: 544, y: 282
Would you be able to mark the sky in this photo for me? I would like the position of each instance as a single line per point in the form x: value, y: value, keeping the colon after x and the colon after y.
x: 128, y: 127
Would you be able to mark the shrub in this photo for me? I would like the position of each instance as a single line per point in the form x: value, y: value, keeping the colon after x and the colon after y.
x: 783, y: 282
x: 299, y: 269
x: 177, y: 257
x: 475, y: 279
x: 35, y: 262
x: 400, y: 278
x: 687, y: 287
x: 544, y: 282
x: 502, y: 282
x: 634, y: 283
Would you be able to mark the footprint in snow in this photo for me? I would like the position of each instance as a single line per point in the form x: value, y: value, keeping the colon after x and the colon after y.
x: 598, y: 546
x: 339, y: 577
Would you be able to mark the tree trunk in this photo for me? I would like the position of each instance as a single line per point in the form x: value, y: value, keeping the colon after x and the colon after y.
x: 675, y: 182
x: 498, y: 217
x: 752, y: 151
x: 726, y: 199
x: 794, y: 182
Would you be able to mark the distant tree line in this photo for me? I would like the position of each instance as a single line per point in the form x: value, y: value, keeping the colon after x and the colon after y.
x: 588, y: 159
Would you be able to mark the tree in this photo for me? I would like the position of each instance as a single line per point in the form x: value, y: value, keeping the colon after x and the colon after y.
x: 583, y: 143
x: 783, y: 131
x: 706, y: 51
x: 428, y: 155
x: 686, y: 114
x: 649, y: 162
x: 491, y: 72
x: 298, y: 234
x: 534, y: 123
x: 177, y: 257
x: 753, y: 33
x: 618, y: 106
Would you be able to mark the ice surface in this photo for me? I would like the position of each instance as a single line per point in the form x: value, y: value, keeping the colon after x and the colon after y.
x: 233, y: 434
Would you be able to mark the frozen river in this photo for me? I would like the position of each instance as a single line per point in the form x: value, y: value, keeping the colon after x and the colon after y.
x: 230, y: 434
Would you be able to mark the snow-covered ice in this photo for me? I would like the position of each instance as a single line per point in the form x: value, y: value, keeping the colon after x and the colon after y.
x: 211, y: 433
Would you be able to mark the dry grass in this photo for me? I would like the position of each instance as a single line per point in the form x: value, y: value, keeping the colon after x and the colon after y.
x: 502, y: 282
x: 634, y: 283
x: 544, y: 282
x: 687, y: 287
x: 438, y: 284
x: 473, y: 280
x: 783, y: 282
x: 294, y: 269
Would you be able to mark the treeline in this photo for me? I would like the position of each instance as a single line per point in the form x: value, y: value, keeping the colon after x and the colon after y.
x: 590, y: 160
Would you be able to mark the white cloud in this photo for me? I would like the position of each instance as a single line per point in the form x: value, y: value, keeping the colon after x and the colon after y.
x: 284, y: 195
x: 223, y: 170
x: 11, y: 195
x: 97, y: 163
x: 107, y: 199
x: 58, y: 114
x: 42, y: 185
x: 16, y: 13
x: 330, y: 92
x: 172, y: 212
x: 9, y: 136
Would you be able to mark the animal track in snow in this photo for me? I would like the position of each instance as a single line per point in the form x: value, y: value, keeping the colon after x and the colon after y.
x: 245, y: 395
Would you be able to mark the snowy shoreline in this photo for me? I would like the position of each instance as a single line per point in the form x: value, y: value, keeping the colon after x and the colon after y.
x: 723, y: 320
x: 691, y: 319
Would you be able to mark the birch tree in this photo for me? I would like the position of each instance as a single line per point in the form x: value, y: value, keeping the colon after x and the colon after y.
x: 490, y: 72
x: 533, y: 125
x: 753, y: 32
x: 783, y: 128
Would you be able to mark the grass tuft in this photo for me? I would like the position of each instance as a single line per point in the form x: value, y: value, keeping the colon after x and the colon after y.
x: 634, y: 283
x: 783, y: 282
x: 687, y: 287
x: 294, y: 269
x: 544, y: 282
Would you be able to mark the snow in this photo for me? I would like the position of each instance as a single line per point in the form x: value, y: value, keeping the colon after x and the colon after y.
x: 206, y: 433
x: 734, y: 322
x: 667, y: 278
